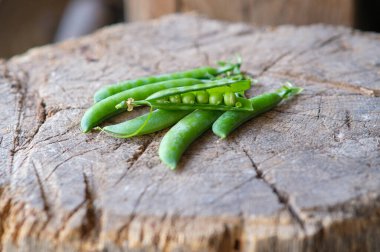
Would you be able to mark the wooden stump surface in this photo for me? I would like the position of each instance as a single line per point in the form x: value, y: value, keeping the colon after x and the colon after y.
x: 303, y: 177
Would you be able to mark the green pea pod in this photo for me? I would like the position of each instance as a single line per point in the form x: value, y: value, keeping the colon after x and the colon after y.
x: 197, y: 73
x: 181, y: 135
x: 242, y: 104
x: 230, y: 120
x: 159, y: 120
x: 104, y: 109
x: 220, y: 86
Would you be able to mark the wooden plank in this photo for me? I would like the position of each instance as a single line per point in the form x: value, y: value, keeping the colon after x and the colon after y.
x: 148, y: 9
x: 303, y: 176
x: 271, y: 12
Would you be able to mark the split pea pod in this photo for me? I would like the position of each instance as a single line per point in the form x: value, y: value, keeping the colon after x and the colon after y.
x: 181, y: 135
x: 230, y: 120
x: 215, y: 88
x: 104, y: 109
x: 197, y: 73
x: 159, y: 120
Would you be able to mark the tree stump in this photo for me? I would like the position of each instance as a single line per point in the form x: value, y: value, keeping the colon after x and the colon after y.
x: 302, y: 177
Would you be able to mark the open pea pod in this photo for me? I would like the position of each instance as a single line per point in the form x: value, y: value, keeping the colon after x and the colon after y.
x: 242, y: 105
x: 213, y: 87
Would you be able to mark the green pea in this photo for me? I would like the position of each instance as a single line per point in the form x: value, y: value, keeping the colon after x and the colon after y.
x: 188, y: 98
x: 216, y: 98
x: 163, y: 100
x: 202, y: 97
x: 175, y: 99
x: 229, y: 99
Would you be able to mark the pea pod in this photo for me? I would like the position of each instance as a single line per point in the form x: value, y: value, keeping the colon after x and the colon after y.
x: 181, y: 135
x: 159, y: 119
x: 217, y: 86
x: 104, y: 109
x: 197, y: 73
x: 241, y: 104
x: 230, y: 120
x: 228, y: 85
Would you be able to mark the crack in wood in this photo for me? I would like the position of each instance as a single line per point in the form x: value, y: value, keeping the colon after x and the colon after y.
x: 319, y: 107
x: 231, y: 190
x: 347, y: 119
x: 41, y: 118
x: 46, y: 205
x: 67, y: 159
x: 282, y: 197
x: 91, y: 225
x: 318, y: 45
x: 66, y: 220
x: 21, y: 89
x: 136, y: 156
x: 273, y: 63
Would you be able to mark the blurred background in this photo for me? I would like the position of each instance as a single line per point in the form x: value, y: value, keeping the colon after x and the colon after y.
x: 25, y: 24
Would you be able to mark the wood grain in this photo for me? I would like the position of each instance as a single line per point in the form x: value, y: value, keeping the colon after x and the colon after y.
x: 303, y: 177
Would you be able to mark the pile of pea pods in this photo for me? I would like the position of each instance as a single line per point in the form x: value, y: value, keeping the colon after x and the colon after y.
x: 193, y: 101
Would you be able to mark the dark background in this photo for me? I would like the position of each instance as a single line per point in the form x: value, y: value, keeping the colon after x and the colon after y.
x: 25, y: 24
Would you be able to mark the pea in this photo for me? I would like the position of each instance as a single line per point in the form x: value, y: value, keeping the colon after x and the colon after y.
x: 229, y: 99
x: 188, y: 98
x: 175, y: 99
x: 216, y: 98
x: 163, y: 100
x: 202, y: 97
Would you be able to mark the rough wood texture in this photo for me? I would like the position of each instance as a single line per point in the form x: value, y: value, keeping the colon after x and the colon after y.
x: 303, y: 177
x: 268, y: 12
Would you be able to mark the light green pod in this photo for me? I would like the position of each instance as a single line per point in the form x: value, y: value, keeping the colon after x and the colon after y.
x: 181, y: 135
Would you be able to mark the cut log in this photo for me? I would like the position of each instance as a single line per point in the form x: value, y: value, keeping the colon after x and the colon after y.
x: 303, y: 177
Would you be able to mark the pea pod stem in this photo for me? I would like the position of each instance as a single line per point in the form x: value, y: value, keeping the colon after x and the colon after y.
x: 182, y: 134
x: 230, y: 120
